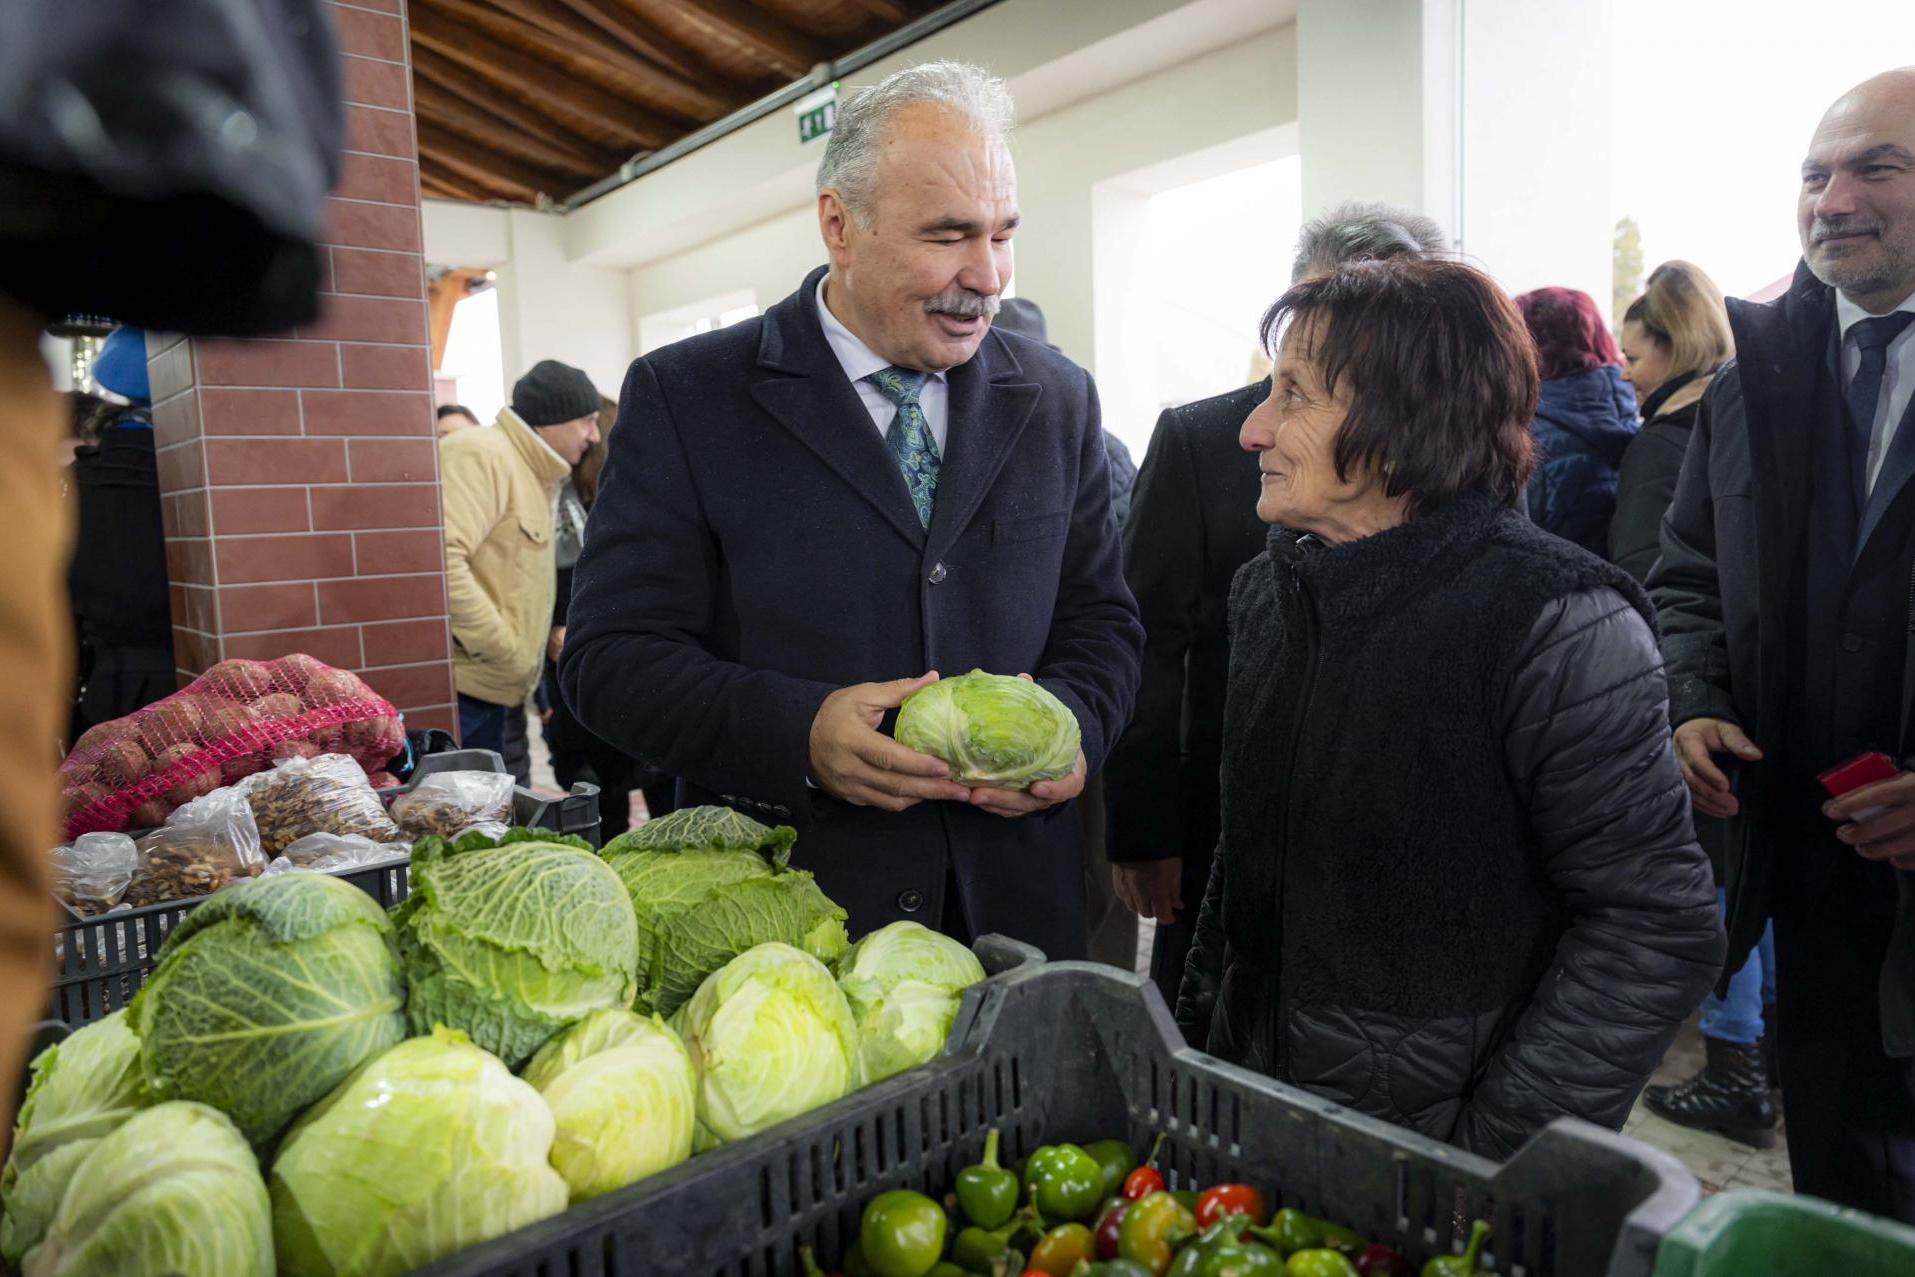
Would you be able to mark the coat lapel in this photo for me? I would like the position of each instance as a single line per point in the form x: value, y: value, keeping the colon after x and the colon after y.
x: 1897, y: 468
x: 803, y: 387
x: 991, y: 402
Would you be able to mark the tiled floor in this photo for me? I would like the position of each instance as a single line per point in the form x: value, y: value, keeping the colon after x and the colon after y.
x: 1719, y: 1162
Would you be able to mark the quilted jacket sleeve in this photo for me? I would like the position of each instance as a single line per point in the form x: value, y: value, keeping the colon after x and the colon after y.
x: 1588, y: 745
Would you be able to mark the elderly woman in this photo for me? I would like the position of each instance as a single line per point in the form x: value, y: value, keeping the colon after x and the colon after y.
x: 1457, y: 887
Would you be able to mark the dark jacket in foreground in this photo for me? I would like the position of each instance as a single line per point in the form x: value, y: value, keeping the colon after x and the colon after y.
x: 753, y: 549
x: 1730, y: 592
x: 1583, y: 424
x: 1645, y: 485
x: 1457, y: 887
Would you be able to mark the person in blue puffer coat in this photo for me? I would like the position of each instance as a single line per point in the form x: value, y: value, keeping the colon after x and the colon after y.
x: 1585, y: 417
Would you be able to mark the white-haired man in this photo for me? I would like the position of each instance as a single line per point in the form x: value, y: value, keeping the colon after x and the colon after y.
x: 805, y: 516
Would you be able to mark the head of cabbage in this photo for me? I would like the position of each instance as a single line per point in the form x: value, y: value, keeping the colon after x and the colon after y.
x: 903, y: 982
x: 83, y: 1089
x: 427, y: 1149
x: 267, y: 995
x: 708, y: 883
x: 624, y: 1094
x: 772, y: 1037
x: 175, y: 1189
x: 513, y: 942
x: 995, y: 730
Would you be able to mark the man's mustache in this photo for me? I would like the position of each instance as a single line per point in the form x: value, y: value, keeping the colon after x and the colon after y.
x: 1821, y: 229
x: 963, y: 302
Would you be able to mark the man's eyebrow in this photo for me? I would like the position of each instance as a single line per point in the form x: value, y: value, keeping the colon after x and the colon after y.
x: 1869, y: 155
x: 962, y: 226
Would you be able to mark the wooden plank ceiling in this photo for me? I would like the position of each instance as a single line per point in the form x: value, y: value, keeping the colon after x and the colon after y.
x: 522, y: 98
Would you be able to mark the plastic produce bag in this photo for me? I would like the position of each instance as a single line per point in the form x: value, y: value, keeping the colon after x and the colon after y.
x: 324, y: 853
x: 449, y: 803
x: 92, y: 873
x: 325, y: 795
x: 238, y: 718
x: 203, y: 846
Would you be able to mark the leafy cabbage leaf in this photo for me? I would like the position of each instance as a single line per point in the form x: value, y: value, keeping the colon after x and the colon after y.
x: 175, y: 1189
x: 83, y: 1089
x: 510, y: 944
x: 772, y: 1037
x: 267, y: 995
x: 787, y: 907
x: 708, y: 829
x: 625, y: 1096
x: 993, y: 729
x: 427, y: 1149
x: 903, y: 982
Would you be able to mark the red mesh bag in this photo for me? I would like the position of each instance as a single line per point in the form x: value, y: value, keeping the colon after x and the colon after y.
x: 238, y: 718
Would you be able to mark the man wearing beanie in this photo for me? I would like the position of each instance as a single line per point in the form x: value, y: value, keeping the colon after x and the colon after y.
x: 498, y: 486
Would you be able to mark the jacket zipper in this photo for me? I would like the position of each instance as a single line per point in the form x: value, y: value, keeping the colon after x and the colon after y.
x: 1313, y: 650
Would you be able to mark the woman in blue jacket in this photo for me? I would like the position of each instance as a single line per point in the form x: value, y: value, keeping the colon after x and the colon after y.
x: 1585, y: 417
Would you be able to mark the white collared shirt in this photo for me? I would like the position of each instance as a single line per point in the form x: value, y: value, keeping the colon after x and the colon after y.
x: 860, y: 361
x: 1898, y: 380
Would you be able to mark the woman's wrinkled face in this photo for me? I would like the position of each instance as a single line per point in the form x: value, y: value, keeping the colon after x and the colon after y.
x: 1645, y: 364
x: 1293, y: 432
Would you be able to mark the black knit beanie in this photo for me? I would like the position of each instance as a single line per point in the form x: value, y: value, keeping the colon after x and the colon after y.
x: 553, y: 393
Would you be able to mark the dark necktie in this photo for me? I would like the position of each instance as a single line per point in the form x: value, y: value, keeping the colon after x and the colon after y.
x: 910, y: 438
x: 1872, y: 338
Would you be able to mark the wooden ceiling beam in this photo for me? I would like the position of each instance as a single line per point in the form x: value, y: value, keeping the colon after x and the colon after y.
x: 509, y: 69
x: 449, y: 77
x: 665, y: 88
x: 481, y: 124
x: 639, y: 35
x: 752, y: 33
x: 465, y: 156
x: 885, y: 10
x: 441, y: 184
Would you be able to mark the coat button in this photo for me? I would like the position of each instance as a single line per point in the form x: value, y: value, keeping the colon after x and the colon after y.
x: 1851, y: 642
x: 938, y: 574
x: 910, y: 900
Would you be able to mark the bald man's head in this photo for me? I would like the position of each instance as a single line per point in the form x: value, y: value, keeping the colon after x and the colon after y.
x: 1856, y: 211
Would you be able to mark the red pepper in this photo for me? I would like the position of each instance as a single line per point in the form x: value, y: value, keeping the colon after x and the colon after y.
x: 1142, y: 1182
x: 1380, y: 1261
x: 1107, y: 1229
x: 1228, y: 1199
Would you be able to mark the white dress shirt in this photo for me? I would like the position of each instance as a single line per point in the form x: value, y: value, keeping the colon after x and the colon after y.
x: 1898, y: 379
x: 860, y: 361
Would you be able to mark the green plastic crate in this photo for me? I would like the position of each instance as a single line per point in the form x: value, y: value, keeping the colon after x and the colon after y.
x: 1750, y: 1231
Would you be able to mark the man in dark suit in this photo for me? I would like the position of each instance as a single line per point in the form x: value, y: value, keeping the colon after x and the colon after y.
x: 1193, y: 522
x: 1784, y: 595
x: 808, y: 514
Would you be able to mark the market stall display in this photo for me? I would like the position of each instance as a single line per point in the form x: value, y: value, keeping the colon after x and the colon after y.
x: 236, y: 719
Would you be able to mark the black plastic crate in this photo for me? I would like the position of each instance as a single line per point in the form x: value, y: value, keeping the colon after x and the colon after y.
x: 100, y: 963
x: 1074, y: 1051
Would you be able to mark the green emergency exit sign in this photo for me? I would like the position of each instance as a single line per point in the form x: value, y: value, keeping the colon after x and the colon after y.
x: 817, y: 112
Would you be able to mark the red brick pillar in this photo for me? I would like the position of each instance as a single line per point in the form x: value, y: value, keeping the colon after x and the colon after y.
x: 300, y: 474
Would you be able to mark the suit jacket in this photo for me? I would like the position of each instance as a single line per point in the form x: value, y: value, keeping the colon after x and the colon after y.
x: 1193, y: 523
x: 753, y: 549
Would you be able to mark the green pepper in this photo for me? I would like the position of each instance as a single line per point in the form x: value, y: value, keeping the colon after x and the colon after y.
x: 944, y: 1268
x: 1152, y: 1229
x: 902, y: 1234
x: 1220, y: 1252
x: 1190, y: 1198
x: 987, y: 1251
x: 1062, y: 1249
x: 1111, y: 1268
x: 987, y: 1193
x: 1319, y: 1263
x: 1465, y: 1264
x: 1064, y: 1182
x: 1118, y: 1161
x: 809, y: 1262
x: 1294, y: 1231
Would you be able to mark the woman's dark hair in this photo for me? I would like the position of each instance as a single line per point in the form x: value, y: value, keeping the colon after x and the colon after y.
x: 1569, y: 331
x: 1439, y: 372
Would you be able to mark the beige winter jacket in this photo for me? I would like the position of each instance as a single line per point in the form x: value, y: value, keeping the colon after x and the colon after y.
x: 498, y: 485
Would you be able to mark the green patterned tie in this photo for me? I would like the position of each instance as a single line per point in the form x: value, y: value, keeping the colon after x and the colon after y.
x: 910, y: 437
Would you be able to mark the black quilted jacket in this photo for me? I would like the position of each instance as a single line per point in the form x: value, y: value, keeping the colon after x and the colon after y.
x: 1457, y: 887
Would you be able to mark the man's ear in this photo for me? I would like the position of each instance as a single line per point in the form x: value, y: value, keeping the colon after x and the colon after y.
x: 834, y: 225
